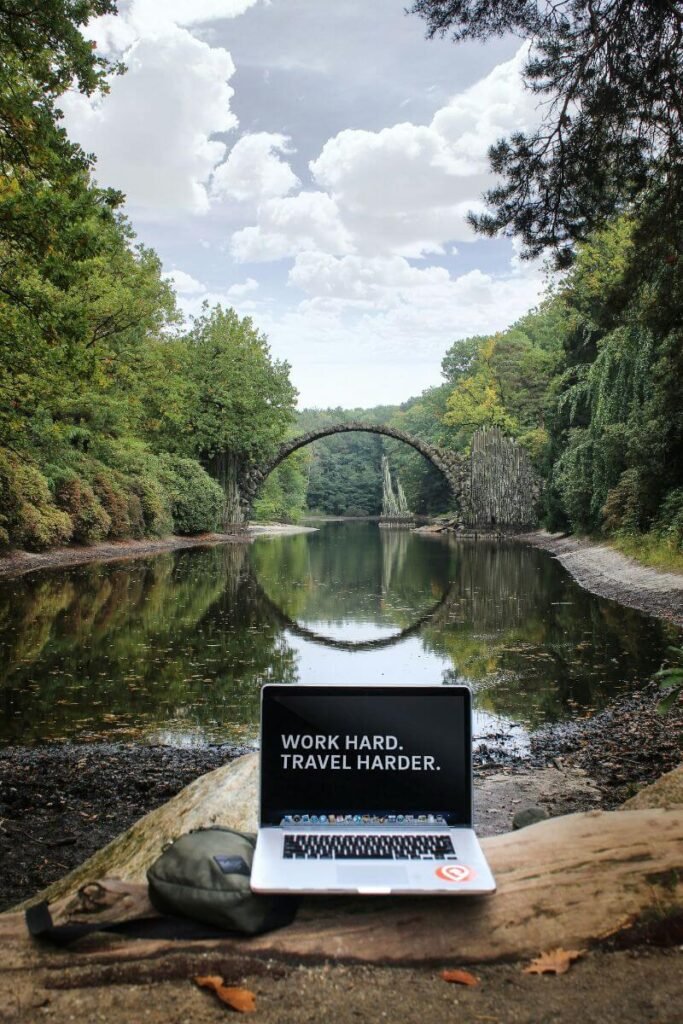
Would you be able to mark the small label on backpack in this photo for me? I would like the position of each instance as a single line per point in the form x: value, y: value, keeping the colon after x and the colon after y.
x: 232, y: 865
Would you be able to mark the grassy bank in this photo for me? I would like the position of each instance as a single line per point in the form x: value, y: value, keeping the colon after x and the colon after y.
x: 650, y: 549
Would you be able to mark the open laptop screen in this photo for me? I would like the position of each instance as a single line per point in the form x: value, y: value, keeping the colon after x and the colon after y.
x: 366, y: 755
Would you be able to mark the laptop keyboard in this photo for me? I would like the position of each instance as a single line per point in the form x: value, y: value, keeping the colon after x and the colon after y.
x: 367, y: 846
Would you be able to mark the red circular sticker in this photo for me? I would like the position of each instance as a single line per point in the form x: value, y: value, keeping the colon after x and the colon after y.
x: 455, y: 873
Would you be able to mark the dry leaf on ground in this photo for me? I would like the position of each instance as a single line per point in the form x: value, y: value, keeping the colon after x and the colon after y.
x: 458, y: 977
x: 555, y: 961
x: 240, y: 999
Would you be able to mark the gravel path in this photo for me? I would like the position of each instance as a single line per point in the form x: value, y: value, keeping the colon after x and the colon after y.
x: 608, y: 573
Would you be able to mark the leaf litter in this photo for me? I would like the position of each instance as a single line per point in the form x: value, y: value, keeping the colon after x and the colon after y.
x: 240, y: 999
x: 458, y: 977
x: 554, y: 961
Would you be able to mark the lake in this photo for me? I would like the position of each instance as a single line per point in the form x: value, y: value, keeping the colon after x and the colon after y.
x: 174, y: 649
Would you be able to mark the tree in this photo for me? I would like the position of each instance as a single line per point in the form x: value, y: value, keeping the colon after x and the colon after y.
x: 217, y: 395
x: 243, y: 400
x: 459, y: 358
x: 70, y: 286
x: 46, y: 38
x: 610, y: 75
x: 615, y: 425
x: 476, y: 401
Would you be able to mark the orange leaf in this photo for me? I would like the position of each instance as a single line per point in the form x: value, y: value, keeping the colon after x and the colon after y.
x: 555, y: 961
x: 240, y: 999
x: 457, y: 977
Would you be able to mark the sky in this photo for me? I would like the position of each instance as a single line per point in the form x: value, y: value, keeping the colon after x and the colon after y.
x: 311, y: 164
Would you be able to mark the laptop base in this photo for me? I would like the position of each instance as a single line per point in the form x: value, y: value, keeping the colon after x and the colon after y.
x: 466, y: 873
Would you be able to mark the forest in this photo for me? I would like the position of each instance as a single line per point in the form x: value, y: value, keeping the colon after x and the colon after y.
x: 590, y: 383
x: 112, y: 410
x: 119, y: 418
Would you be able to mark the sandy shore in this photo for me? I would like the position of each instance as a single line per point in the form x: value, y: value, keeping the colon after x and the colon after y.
x: 17, y: 563
x: 608, y: 573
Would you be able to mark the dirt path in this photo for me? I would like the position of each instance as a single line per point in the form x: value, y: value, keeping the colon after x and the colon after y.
x: 608, y: 573
x: 639, y: 986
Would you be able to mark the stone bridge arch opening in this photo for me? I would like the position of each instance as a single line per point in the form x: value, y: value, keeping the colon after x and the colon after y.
x: 449, y: 464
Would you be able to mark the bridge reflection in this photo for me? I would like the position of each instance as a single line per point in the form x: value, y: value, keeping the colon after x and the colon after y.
x: 295, y: 628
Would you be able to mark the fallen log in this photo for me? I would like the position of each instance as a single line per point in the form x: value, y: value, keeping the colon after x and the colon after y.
x: 569, y: 881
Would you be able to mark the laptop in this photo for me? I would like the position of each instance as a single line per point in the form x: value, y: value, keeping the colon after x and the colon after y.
x: 367, y: 789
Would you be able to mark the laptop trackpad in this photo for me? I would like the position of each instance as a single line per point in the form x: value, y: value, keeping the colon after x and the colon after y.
x: 367, y: 875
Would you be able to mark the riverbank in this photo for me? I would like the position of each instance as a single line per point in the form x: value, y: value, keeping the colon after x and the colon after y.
x: 606, y: 572
x: 18, y: 563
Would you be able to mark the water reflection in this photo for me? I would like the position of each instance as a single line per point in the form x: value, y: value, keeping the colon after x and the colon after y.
x: 176, y: 648
x: 167, y: 648
x: 507, y: 619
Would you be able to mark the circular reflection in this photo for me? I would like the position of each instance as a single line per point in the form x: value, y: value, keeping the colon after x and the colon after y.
x: 378, y: 644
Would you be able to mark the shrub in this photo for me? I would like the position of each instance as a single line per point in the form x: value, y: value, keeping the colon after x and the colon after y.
x: 196, y: 499
x: 30, y: 518
x: 89, y: 520
x: 623, y: 508
x: 115, y: 502
x: 280, y: 500
x: 155, y: 505
x: 136, y: 516
x: 669, y: 521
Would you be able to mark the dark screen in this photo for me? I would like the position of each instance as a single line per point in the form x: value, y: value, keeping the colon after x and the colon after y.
x: 366, y: 752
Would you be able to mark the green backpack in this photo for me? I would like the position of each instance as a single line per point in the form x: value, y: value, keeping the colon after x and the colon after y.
x: 204, y: 875
x: 200, y: 883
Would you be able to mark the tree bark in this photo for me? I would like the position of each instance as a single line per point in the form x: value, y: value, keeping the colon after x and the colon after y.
x: 224, y: 468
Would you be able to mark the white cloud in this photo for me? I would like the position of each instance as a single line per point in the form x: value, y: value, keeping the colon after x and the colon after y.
x: 375, y: 330
x: 184, y: 283
x: 254, y: 171
x: 237, y: 291
x: 291, y: 224
x: 408, y: 188
x: 359, y: 321
x: 112, y: 33
x: 153, y: 133
x: 404, y: 190
x: 151, y: 19
x: 148, y: 13
x: 378, y: 282
x: 404, y: 309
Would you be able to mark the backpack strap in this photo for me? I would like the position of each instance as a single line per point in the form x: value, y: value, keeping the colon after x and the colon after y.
x: 41, y: 926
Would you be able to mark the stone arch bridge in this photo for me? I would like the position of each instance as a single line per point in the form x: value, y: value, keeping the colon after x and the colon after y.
x: 454, y: 468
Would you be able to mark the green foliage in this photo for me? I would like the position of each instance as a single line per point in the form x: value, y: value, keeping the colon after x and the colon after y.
x: 95, y: 388
x: 122, y: 505
x: 47, y: 39
x: 504, y: 382
x: 344, y: 470
x: 231, y: 395
x: 29, y: 515
x: 614, y: 416
x: 669, y: 521
x: 89, y: 520
x: 283, y: 496
x: 426, y: 490
x: 196, y: 499
x: 607, y: 76
x: 155, y: 505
